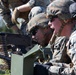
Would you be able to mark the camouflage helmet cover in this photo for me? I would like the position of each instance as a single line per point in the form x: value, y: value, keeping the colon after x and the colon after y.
x: 72, y: 9
x: 38, y: 20
x: 60, y: 8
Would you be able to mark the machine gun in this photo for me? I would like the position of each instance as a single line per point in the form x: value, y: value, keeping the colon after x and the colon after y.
x: 13, y: 42
x: 20, y: 62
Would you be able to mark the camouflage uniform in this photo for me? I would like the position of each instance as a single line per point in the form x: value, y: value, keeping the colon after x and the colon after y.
x: 59, y: 51
x: 6, y: 6
x: 63, y: 59
x: 38, y: 6
x: 72, y: 9
x: 42, y: 3
x: 71, y: 51
x: 59, y: 60
x: 71, y: 45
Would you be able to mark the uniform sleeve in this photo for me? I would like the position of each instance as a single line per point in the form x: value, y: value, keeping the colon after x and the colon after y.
x: 60, y: 57
x: 69, y: 69
x: 6, y: 13
x: 32, y: 3
x: 60, y: 54
x: 71, y: 51
x: 71, y: 47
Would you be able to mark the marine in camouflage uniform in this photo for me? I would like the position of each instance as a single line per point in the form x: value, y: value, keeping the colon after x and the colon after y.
x: 41, y: 33
x: 63, y: 57
x: 6, y: 5
x: 71, y: 45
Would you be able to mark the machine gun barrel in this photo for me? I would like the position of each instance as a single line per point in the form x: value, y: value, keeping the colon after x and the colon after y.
x: 16, y: 39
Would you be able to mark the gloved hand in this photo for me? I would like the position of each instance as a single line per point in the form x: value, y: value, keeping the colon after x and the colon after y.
x: 15, y: 15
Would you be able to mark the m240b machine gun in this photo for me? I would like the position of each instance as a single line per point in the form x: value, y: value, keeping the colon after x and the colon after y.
x: 17, y: 43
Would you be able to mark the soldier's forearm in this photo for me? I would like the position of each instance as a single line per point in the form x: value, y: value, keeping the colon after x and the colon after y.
x: 24, y: 8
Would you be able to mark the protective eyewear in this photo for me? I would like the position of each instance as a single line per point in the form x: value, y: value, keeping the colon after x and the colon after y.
x: 51, y: 18
x: 34, y: 30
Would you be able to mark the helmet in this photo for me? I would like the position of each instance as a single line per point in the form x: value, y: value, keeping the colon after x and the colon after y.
x: 35, y: 10
x: 74, y: 0
x: 72, y: 9
x: 60, y: 8
x: 39, y: 20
